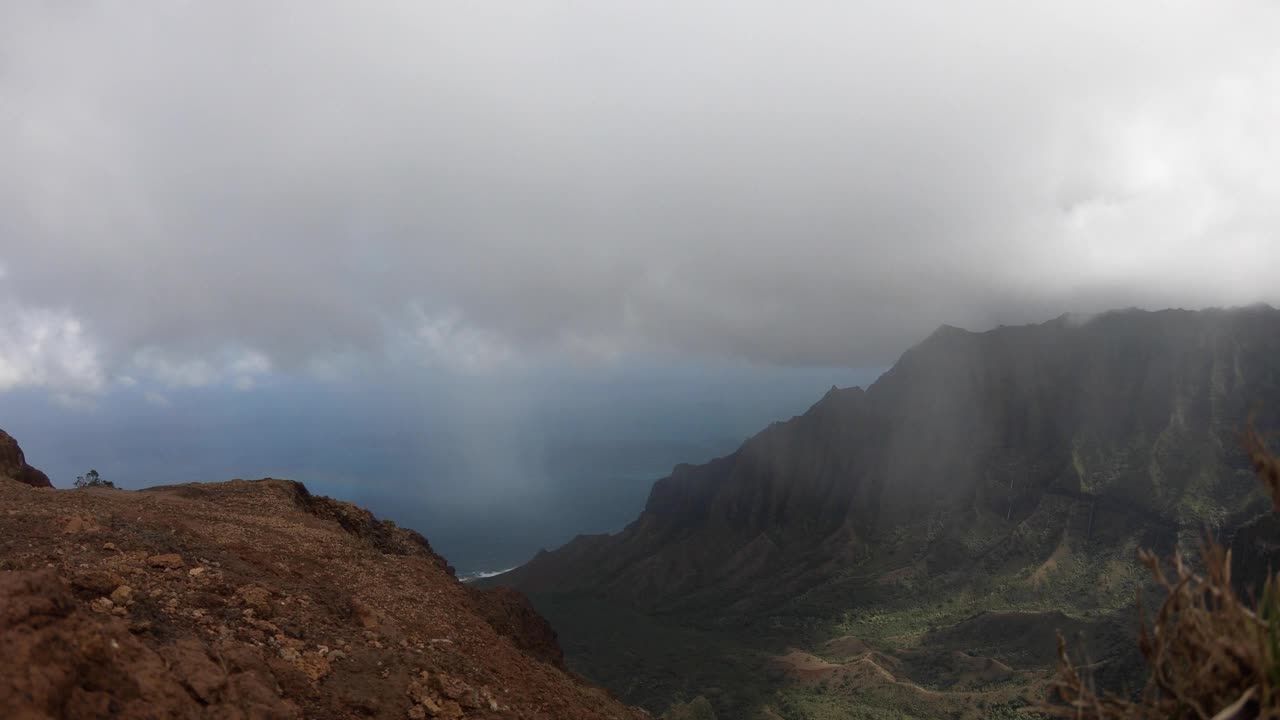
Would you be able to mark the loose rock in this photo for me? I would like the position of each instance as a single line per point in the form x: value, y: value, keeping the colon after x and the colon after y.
x: 168, y: 561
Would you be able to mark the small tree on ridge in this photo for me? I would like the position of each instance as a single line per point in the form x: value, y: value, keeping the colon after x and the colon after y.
x: 92, y: 479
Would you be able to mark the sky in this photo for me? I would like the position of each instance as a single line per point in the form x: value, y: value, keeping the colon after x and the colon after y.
x: 201, y: 203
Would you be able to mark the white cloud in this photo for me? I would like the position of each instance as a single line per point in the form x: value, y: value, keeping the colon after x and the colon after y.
x: 246, y: 367
x: 238, y: 367
x: 250, y: 362
x: 445, y: 340
x: 74, y: 401
x: 821, y: 183
x: 174, y: 372
x: 49, y: 349
x: 156, y: 398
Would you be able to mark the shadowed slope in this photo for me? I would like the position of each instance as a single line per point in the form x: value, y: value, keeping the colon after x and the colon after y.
x: 1132, y: 413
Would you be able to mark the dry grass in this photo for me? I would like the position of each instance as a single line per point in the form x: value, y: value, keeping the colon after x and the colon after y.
x: 1212, y: 655
x: 1265, y: 464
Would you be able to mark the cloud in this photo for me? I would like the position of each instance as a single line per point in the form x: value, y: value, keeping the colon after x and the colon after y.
x: 157, y: 399
x: 237, y: 367
x: 470, y: 184
x: 49, y: 349
x: 444, y: 340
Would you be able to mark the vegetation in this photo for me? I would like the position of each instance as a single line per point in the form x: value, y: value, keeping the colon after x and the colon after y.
x: 1211, y: 654
x: 724, y: 664
x: 913, y: 551
x: 696, y: 709
x: 1001, y: 600
x: 92, y: 479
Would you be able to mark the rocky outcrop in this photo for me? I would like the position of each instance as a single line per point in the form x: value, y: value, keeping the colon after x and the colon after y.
x: 359, y: 522
x: 13, y: 464
x: 64, y: 659
x: 255, y: 599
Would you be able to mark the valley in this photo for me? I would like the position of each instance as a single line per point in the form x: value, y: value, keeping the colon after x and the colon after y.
x: 566, y: 360
x: 911, y: 550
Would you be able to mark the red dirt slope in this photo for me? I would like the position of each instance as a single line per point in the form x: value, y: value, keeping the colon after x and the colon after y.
x: 255, y: 600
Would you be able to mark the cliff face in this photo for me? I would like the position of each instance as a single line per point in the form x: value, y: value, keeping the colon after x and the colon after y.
x: 255, y: 600
x: 1135, y: 414
x: 13, y: 464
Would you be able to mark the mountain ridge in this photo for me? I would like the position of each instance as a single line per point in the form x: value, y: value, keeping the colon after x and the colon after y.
x: 1016, y: 469
x: 786, y: 480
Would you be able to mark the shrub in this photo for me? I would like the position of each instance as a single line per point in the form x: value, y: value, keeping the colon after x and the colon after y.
x: 92, y: 479
x: 1210, y: 654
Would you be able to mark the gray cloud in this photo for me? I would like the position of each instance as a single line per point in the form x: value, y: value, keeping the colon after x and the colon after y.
x: 208, y: 187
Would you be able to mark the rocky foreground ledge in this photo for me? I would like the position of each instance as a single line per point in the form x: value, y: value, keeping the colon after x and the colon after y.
x: 256, y: 600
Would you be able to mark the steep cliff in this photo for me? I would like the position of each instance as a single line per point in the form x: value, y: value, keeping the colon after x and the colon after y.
x: 987, y: 491
x: 1135, y: 415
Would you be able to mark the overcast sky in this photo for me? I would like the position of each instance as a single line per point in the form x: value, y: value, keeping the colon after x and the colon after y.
x: 386, y: 247
x: 201, y: 193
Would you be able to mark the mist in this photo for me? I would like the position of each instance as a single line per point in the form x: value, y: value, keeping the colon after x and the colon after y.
x: 397, y: 251
x: 490, y: 471
x: 199, y: 193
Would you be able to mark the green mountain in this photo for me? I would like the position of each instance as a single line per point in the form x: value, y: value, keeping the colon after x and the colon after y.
x: 910, y: 550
